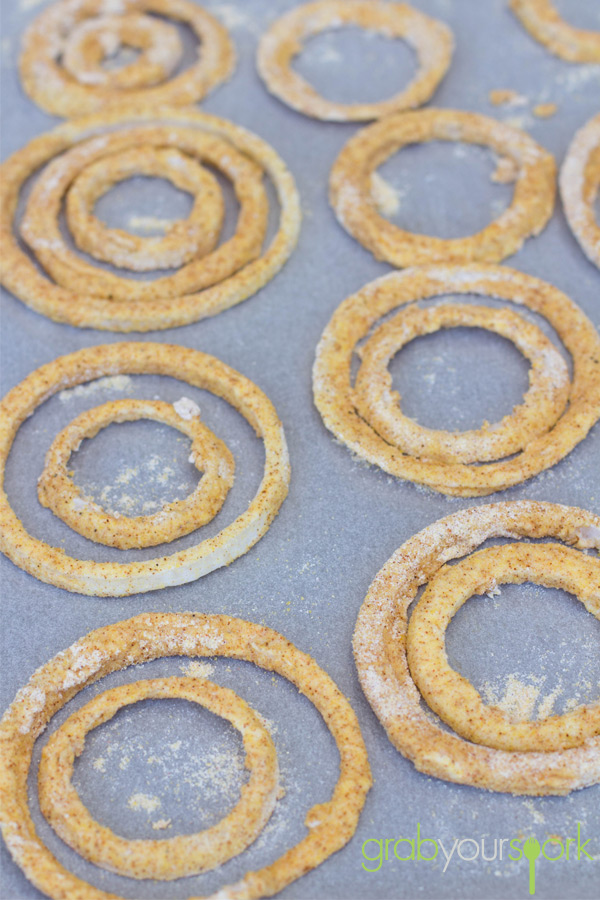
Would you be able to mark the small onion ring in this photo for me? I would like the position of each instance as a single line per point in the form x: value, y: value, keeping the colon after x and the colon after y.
x: 195, y: 236
x: 579, y: 185
x: 380, y: 652
x: 452, y: 697
x: 169, y: 858
x: 104, y: 579
x: 543, y: 22
x: 58, y: 92
x: 93, y: 40
x: 431, y: 39
x: 58, y: 492
x: 20, y: 275
x: 352, y: 321
x: 150, y: 636
x: 350, y: 188
x: 542, y: 406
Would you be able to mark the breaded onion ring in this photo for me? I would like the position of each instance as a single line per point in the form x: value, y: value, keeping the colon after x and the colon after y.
x: 380, y: 652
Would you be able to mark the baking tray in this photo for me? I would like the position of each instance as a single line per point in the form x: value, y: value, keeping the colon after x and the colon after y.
x: 342, y: 520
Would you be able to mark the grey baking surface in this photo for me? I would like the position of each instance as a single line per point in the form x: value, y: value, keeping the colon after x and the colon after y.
x: 342, y: 520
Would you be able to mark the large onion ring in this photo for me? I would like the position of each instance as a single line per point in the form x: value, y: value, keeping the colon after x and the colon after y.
x: 161, y: 310
x: 148, y: 637
x: 104, y: 579
x: 57, y: 30
x: 352, y: 321
x: 175, y: 857
x: 350, y: 188
x: 543, y: 22
x: 579, y: 185
x: 453, y: 697
x: 380, y: 652
x: 430, y: 38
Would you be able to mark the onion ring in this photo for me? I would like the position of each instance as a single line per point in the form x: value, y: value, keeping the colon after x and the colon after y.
x: 58, y: 492
x: 350, y: 188
x: 453, y: 697
x: 195, y: 236
x: 352, y: 321
x: 543, y: 404
x: 147, y: 637
x: 543, y: 22
x: 103, y: 579
x: 41, y: 230
x: 93, y: 40
x: 179, y: 856
x: 67, y: 91
x: 431, y: 39
x: 579, y: 185
x: 380, y: 652
x: 155, y: 309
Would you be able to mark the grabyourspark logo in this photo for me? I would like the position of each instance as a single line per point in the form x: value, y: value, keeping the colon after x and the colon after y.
x: 378, y: 851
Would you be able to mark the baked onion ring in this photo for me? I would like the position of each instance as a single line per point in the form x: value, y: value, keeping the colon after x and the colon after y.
x: 86, y: 31
x: 350, y: 188
x: 141, y: 639
x: 380, y: 652
x: 451, y: 696
x: 431, y: 39
x: 543, y: 403
x: 579, y: 185
x: 58, y: 491
x: 175, y: 857
x: 195, y: 236
x: 106, y: 579
x: 543, y: 22
x: 187, y: 295
x: 334, y: 393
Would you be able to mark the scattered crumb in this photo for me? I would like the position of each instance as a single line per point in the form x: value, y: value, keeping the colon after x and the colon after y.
x: 506, y: 171
x: 146, y: 802
x: 506, y: 97
x: 196, y: 669
x: 518, y: 700
x: 186, y: 408
x: 100, y: 764
x: 108, y: 383
x: 545, y: 110
x: 161, y: 824
x: 385, y: 196
x: 537, y: 815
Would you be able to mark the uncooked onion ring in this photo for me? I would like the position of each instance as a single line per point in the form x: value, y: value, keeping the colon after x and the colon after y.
x: 331, y: 824
x: 58, y: 491
x: 60, y: 62
x: 175, y: 857
x: 96, y: 298
x: 453, y: 697
x: 105, y: 579
x: 543, y: 22
x: 431, y: 39
x: 350, y: 188
x: 380, y: 652
x: 579, y: 185
x: 351, y: 323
